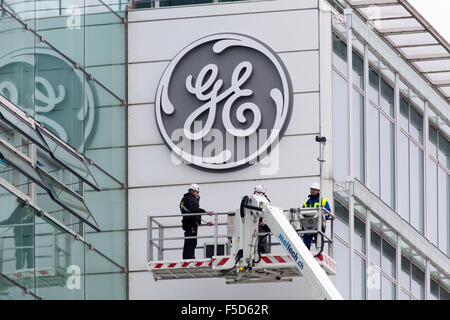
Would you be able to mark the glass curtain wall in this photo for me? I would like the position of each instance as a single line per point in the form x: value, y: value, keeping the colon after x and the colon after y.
x: 65, y: 66
x: 375, y: 124
x: 377, y: 279
x: 341, y: 111
x: 438, y: 184
x: 168, y: 3
x: 411, y: 165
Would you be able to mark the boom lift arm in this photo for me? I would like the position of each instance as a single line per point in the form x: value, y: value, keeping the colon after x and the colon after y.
x: 257, y: 206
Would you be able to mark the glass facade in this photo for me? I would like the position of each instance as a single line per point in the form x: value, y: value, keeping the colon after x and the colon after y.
x: 65, y: 67
x: 408, y: 176
x: 169, y: 3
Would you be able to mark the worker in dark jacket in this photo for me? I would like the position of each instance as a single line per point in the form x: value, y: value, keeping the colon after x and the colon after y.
x: 190, y: 203
x: 263, y: 246
x: 22, y: 220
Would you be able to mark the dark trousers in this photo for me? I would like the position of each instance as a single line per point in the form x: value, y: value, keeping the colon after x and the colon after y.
x: 189, y: 244
x: 24, y: 254
x: 308, y: 238
x: 263, y: 246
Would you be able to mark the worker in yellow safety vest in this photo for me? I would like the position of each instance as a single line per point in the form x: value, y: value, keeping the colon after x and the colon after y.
x: 313, y: 202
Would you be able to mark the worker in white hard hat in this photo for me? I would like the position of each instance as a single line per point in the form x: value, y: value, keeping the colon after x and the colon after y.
x: 313, y: 202
x: 190, y: 203
x: 263, y: 246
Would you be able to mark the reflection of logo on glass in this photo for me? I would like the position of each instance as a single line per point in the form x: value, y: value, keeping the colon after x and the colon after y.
x: 57, y: 99
x: 229, y: 90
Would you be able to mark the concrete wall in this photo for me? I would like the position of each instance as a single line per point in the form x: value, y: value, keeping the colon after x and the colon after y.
x: 156, y: 184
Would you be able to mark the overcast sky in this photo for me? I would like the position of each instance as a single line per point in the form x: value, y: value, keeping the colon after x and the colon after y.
x: 437, y: 12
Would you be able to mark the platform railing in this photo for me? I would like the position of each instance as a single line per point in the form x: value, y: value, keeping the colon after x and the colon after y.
x: 153, y: 223
x: 156, y: 230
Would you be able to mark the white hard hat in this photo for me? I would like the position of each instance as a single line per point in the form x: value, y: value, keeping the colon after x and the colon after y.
x: 194, y: 187
x: 260, y: 188
x: 316, y: 186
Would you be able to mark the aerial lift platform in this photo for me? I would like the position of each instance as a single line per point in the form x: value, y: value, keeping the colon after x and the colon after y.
x: 242, y: 262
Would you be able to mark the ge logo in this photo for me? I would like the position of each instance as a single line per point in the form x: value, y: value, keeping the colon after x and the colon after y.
x: 223, y: 102
x: 74, y: 280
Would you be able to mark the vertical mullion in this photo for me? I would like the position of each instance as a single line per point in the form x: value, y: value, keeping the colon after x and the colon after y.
x: 398, y: 258
x: 425, y: 169
x: 348, y: 13
x: 427, y: 279
x: 396, y: 137
x: 367, y: 244
x: 366, y: 102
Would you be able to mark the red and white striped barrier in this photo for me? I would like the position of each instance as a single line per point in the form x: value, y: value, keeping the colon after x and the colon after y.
x: 275, y: 259
x: 22, y: 274
x: 327, y: 263
x: 225, y: 262
x: 205, y: 263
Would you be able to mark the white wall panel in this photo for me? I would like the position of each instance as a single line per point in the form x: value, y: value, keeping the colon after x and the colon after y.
x: 221, y: 197
x: 304, y: 70
x: 142, y: 286
x: 145, y: 37
x: 305, y: 114
x: 153, y: 166
x: 142, y: 125
x: 143, y: 79
x: 218, y: 9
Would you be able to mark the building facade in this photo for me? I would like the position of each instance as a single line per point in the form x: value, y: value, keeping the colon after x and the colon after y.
x: 63, y: 63
x: 109, y: 78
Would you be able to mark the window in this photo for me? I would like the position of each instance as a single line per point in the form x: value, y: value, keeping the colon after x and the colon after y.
x: 358, y: 70
x: 403, y: 176
x: 374, y: 85
x: 340, y: 127
x: 416, y: 127
x: 360, y: 235
x: 444, y: 295
x: 432, y: 139
x: 374, y: 283
x: 381, y: 139
x: 411, y: 120
x: 404, y: 296
x: 432, y: 201
x: 359, y: 277
x: 416, y: 187
x: 387, y: 289
x: 387, y: 161
x: 417, y: 282
x: 373, y: 157
x: 375, y: 248
x: 388, y: 259
x: 387, y: 98
x: 339, y: 54
x: 404, y: 114
x: 434, y: 290
x: 405, y: 274
x: 358, y: 136
x: 438, y: 146
x: 443, y: 151
x: 342, y: 256
x: 443, y: 211
x: 341, y: 223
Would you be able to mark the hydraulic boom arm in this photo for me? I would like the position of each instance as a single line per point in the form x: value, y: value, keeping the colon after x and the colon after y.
x: 259, y: 206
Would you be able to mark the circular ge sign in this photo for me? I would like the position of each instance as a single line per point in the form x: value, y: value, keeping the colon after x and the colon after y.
x: 223, y: 101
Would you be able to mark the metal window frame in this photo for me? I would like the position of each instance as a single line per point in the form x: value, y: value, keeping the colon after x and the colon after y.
x: 39, y: 130
x: 42, y: 183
